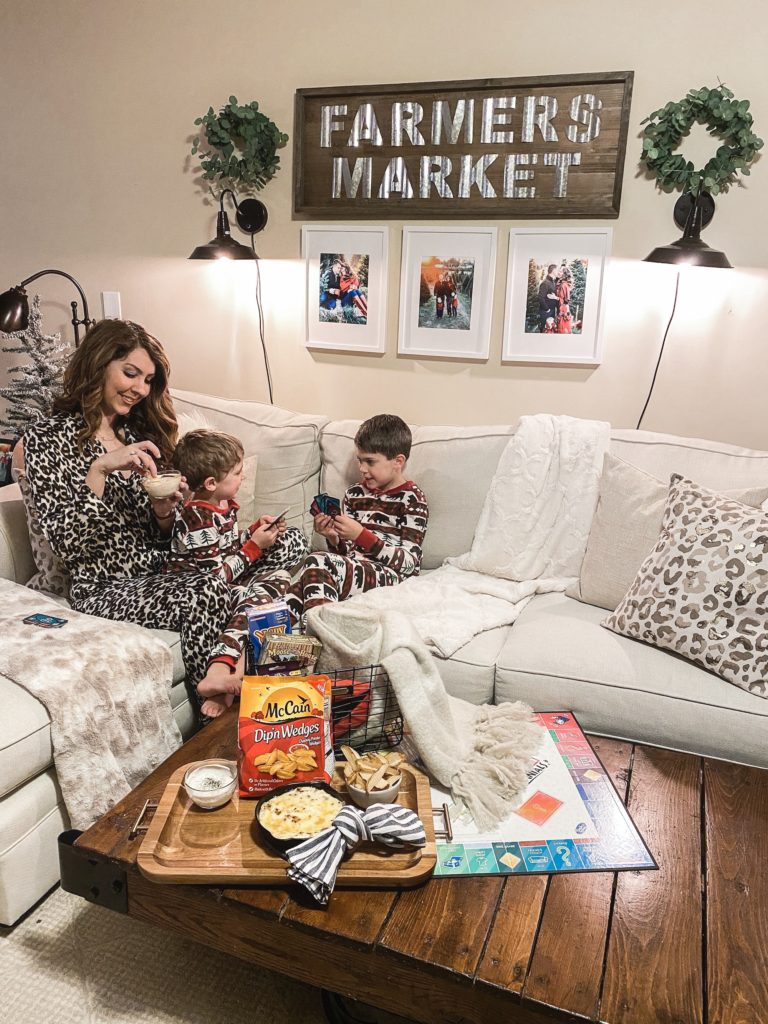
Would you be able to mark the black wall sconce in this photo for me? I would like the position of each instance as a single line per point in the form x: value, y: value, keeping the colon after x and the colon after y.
x: 14, y: 306
x: 692, y: 213
x: 251, y: 216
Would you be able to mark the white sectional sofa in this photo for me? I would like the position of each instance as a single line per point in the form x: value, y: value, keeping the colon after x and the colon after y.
x: 557, y: 655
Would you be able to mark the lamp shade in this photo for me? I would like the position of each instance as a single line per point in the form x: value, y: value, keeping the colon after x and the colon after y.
x: 223, y: 246
x: 14, y: 310
x: 690, y: 252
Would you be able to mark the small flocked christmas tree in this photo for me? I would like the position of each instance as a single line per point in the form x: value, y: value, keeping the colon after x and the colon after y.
x: 39, y: 377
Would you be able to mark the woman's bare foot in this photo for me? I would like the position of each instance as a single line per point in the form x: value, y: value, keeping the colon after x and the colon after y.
x: 219, y: 679
x: 216, y: 705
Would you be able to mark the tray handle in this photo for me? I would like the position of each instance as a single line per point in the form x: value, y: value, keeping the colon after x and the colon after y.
x: 446, y: 829
x: 149, y: 805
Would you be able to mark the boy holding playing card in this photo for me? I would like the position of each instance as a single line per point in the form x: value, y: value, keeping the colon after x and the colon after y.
x: 376, y: 540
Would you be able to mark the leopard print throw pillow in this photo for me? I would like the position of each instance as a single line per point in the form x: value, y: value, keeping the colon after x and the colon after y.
x: 703, y: 590
x: 51, y: 577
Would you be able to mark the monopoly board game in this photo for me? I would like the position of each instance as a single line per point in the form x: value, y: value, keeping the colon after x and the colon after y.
x: 570, y: 818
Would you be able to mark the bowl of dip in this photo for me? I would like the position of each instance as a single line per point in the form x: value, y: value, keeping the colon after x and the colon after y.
x: 210, y: 784
x: 295, y: 812
x: 163, y: 485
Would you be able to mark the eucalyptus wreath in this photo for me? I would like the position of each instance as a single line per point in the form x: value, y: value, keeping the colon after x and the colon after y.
x: 725, y: 117
x: 242, y: 144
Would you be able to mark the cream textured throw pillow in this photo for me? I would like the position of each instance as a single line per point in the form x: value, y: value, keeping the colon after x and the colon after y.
x: 625, y: 528
x: 703, y: 590
x: 52, y: 576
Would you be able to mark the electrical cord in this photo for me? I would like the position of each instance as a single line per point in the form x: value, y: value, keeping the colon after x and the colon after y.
x: 661, y: 350
x: 261, y: 324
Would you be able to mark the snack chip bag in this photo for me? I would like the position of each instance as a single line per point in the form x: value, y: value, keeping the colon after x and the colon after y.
x: 284, y: 732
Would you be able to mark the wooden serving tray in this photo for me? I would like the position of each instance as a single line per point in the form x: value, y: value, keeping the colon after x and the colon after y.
x: 185, y: 844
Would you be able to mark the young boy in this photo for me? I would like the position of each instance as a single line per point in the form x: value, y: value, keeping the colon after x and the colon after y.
x: 377, y: 539
x: 206, y: 538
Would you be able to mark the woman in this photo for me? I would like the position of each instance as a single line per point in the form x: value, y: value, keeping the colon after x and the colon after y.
x: 563, y: 292
x: 113, y: 424
x: 349, y: 283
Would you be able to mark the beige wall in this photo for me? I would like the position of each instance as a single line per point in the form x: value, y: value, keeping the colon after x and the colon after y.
x: 98, y: 99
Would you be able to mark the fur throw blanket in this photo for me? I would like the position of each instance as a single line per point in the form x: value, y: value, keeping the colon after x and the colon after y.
x: 481, y: 753
x: 105, y: 686
x: 530, y: 538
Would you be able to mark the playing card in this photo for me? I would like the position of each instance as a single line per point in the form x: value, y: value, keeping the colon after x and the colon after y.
x: 325, y: 504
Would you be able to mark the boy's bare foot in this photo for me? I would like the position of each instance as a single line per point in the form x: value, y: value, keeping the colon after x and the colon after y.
x: 219, y: 679
x: 240, y: 668
x: 215, y: 706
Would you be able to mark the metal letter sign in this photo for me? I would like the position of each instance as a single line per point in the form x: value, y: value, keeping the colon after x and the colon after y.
x: 505, y: 147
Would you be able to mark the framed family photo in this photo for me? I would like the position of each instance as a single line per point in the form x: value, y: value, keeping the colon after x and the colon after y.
x: 556, y: 295
x: 346, y: 287
x: 446, y: 292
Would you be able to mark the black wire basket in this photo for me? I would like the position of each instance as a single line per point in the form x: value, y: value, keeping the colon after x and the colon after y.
x: 365, y: 714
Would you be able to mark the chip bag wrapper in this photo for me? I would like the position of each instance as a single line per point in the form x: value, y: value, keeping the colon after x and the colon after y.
x: 284, y: 732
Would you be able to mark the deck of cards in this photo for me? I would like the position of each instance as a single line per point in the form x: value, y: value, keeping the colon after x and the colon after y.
x: 325, y: 505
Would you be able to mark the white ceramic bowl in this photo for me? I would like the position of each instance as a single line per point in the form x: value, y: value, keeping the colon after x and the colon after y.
x: 163, y: 485
x: 211, y: 784
x: 379, y: 796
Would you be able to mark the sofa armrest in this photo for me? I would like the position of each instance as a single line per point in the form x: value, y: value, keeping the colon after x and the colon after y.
x: 16, y: 562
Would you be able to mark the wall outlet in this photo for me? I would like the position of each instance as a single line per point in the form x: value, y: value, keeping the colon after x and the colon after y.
x: 110, y: 305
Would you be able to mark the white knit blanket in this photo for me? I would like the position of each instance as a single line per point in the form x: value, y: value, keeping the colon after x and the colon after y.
x: 105, y: 686
x: 530, y: 538
x: 481, y: 754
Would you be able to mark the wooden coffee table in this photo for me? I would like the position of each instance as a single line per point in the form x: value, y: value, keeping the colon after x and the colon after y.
x: 687, y: 944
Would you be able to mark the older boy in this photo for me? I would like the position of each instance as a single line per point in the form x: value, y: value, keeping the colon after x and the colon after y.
x: 377, y: 539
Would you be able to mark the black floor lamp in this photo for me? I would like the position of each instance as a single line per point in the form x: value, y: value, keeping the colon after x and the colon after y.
x: 14, y: 306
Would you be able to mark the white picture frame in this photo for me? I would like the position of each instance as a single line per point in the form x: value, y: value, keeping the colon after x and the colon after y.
x: 460, y: 262
x: 565, y: 326
x: 346, y: 322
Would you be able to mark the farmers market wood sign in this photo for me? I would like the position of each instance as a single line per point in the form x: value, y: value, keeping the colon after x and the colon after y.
x: 505, y: 147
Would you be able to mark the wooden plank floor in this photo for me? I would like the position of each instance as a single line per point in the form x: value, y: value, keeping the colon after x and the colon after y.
x: 686, y: 944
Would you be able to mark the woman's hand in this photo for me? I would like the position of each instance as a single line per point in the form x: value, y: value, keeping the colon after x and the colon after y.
x: 347, y: 528
x: 165, y: 507
x: 138, y: 456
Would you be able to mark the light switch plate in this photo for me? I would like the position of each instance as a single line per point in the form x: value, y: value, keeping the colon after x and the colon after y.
x: 110, y: 305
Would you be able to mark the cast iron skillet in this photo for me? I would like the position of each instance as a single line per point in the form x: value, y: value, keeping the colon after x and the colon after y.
x: 281, y: 846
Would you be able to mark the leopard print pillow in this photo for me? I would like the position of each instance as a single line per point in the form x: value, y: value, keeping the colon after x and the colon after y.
x: 703, y: 590
x: 51, y: 576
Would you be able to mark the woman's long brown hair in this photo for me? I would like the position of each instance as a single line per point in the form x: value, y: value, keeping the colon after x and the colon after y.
x: 152, y: 419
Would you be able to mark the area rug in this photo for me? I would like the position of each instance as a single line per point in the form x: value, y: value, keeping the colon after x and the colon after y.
x: 69, y: 962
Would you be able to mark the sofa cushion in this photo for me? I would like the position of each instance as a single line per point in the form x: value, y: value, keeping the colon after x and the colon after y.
x: 452, y: 465
x: 471, y: 671
x: 702, y: 592
x: 625, y: 527
x: 31, y: 818
x: 559, y: 656
x: 16, y: 562
x: 719, y: 466
x: 287, y: 444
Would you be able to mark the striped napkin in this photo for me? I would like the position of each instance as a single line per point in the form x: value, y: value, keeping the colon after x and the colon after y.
x: 315, y: 862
